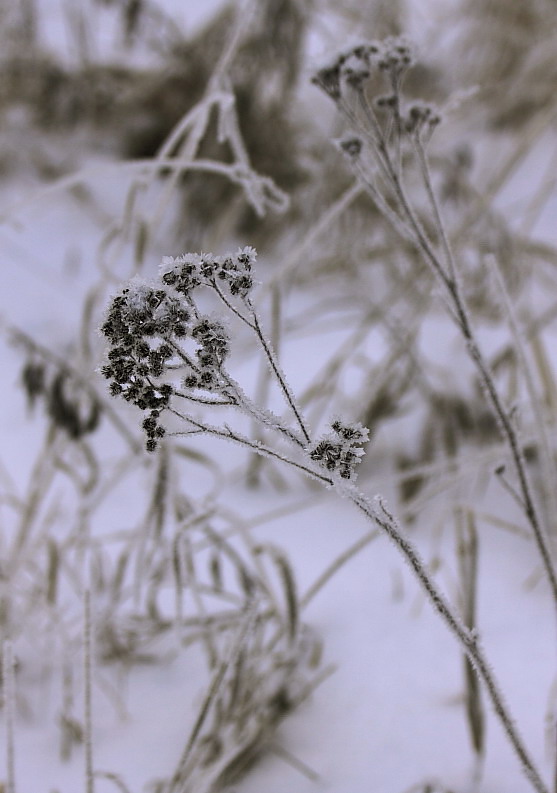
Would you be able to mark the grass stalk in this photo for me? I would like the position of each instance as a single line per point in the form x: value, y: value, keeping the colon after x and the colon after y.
x: 87, y: 692
x: 8, y: 671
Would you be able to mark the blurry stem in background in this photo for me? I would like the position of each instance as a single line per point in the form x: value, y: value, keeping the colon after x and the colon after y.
x: 352, y: 551
x: 68, y: 183
x: 39, y: 482
x: 218, y: 96
x: 87, y: 692
x: 8, y: 674
x: 218, y: 677
x: 244, y: 14
x: 327, y: 219
x: 28, y: 11
x: 540, y: 199
x: 548, y: 464
x: 467, y: 558
x: 404, y: 218
x: 461, y: 315
x: 531, y: 134
x: 264, y: 383
x: 79, y: 32
x: 184, y: 562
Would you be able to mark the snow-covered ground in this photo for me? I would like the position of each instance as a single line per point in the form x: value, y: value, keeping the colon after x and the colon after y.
x: 391, y: 716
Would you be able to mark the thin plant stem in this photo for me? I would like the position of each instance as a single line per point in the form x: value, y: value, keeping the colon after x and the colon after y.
x: 459, y: 311
x: 87, y: 688
x: 426, y: 175
x: 466, y: 638
x: 263, y: 386
x: 324, y: 224
x: 275, y: 367
x: 518, y: 339
x: 336, y: 565
x: 201, y: 428
x: 9, y: 709
x: 467, y: 558
x: 214, y: 688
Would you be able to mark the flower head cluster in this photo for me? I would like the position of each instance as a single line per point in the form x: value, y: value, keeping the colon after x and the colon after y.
x: 214, y: 345
x: 144, y: 311
x: 233, y: 271
x: 341, y: 450
x: 421, y: 116
x: 147, y: 326
x: 359, y: 68
x: 393, y: 57
x: 141, y: 324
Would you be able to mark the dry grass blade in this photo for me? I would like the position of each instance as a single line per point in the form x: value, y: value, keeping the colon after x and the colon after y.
x: 467, y: 552
x: 9, y: 697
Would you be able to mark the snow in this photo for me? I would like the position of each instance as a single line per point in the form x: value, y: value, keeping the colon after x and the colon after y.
x: 391, y: 715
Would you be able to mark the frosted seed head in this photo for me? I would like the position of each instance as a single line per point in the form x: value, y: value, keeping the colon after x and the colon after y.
x: 386, y: 101
x: 421, y: 116
x: 246, y: 257
x: 340, y: 451
x: 328, y: 79
x: 182, y: 273
x: 355, y: 71
x: 351, y: 147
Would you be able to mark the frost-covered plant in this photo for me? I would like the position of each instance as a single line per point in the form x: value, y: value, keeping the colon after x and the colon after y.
x: 389, y: 131
x: 164, y: 350
x: 138, y: 324
x: 387, y: 149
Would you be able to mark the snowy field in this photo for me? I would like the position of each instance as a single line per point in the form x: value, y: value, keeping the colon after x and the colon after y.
x: 198, y: 618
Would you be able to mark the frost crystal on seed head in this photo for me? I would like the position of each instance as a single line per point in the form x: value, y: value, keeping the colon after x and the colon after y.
x: 138, y: 295
x: 246, y: 256
x: 181, y: 273
x: 341, y: 450
x: 140, y: 324
x: 185, y: 273
x: 354, y: 432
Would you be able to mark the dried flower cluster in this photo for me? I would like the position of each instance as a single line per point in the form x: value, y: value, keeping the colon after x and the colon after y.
x: 341, y: 450
x: 142, y: 325
x: 154, y: 333
x: 148, y: 325
x: 354, y: 74
x: 191, y: 270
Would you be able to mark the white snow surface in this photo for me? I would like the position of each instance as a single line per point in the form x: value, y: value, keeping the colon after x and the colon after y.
x: 392, y: 715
